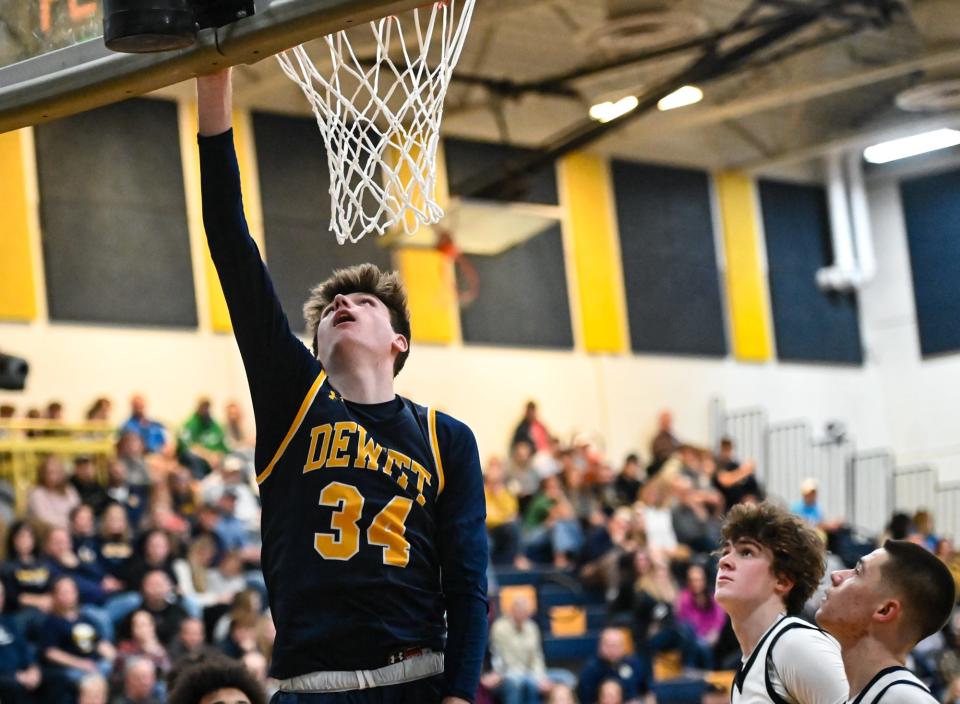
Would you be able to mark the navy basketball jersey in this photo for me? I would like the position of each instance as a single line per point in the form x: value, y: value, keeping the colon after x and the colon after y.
x: 348, y: 534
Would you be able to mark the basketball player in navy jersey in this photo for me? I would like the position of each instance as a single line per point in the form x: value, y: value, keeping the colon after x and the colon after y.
x: 892, y: 599
x: 771, y: 564
x: 374, y: 546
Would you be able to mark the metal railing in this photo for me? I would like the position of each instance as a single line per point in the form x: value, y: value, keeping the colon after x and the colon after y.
x: 864, y: 488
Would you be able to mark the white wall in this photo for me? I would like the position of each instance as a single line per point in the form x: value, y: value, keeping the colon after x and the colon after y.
x: 920, y: 395
x: 615, y: 398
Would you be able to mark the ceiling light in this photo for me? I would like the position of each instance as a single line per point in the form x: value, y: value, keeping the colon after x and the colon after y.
x: 605, y: 112
x: 911, y: 146
x: 681, y: 97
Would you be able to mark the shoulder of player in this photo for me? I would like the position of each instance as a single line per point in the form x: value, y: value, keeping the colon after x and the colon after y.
x: 802, y: 639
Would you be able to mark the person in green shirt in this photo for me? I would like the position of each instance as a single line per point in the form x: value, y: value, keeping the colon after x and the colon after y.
x: 551, y: 524
x: 202, y: 441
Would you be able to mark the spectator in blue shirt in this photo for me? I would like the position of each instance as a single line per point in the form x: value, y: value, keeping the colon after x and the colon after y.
x: 152, y: 432
x: 808, y: 508
x: 613, y: 663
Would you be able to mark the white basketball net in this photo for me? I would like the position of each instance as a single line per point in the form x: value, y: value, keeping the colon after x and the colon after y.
x: 380, y: 120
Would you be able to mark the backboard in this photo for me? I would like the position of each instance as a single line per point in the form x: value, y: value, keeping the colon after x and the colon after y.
x: 53, y: 62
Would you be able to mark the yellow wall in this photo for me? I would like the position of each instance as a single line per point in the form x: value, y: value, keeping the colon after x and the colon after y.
x: 587, y: 194
x: 746, y: 283
x: 17, y: 290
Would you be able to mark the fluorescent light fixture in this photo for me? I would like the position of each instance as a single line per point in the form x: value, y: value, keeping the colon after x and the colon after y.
x: 605, y: 112
x: 681, y: 97
x: 911, y: 146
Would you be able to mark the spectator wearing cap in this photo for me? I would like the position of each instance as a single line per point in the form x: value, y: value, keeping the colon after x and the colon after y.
x: 235, y: 473
x: 234, y: 533
x: 808, y: 508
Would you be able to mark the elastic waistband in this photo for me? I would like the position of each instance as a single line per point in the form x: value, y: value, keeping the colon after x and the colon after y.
x: 415, y: 668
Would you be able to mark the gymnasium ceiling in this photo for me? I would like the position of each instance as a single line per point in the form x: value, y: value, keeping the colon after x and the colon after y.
x: 833, y: 83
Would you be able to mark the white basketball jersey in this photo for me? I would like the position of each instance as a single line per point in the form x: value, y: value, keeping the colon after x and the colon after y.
x: 895, y: 685
x: 756, y: 678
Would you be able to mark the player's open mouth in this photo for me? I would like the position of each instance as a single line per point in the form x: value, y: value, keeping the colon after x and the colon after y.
x: 342, y: 317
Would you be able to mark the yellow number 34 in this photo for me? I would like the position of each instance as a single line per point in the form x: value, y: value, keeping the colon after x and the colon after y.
x: 386, y: 530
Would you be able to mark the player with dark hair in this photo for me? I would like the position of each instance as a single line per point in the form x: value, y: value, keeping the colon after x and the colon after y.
x: 374, y: 545
x: 771, y: 563
x: 214, y: 680
x: 892, y: 599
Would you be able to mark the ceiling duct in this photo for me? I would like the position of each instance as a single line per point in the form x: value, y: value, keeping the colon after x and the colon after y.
x: 633, y: 25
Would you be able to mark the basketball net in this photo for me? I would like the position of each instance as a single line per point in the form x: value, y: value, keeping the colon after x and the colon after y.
x: 380, y: 117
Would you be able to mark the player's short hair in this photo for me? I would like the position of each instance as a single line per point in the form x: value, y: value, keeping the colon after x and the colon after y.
x: 199, y: 675
x: 798, y: 552
x: 924, y: 583
x: 362, y: 278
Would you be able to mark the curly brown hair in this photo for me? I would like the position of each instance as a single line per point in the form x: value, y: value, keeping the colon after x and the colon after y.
x: 362, y: 278
x: 798, y: 552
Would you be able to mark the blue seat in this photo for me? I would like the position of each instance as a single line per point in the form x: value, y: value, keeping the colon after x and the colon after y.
x: 682, y: 690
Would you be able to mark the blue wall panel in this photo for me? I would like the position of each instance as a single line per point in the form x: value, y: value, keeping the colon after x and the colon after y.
x: 810, y: 325
x: 674, y: 304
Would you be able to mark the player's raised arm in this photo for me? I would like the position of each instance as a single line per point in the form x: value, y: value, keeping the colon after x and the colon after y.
x: 269, y: 349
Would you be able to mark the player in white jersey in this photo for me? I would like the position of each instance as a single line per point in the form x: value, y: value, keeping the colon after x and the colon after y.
x: 893, y: 598
x: 770, y: 565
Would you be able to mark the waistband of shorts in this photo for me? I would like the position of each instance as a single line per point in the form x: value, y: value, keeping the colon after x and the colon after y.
x: 417, y: 667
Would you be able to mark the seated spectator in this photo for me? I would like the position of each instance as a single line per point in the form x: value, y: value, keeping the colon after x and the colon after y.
x: 561, y: 694
x: 202, y: 441
x: 51, y: 501
x: 183, y: 498
x: 246, y: 606
x: 115, y: 547
x: 215, y: 679
x: 190, y: 641
x: 613, y: 663
x: 694, y: 517
x: 923, y: 525
x: 697, y: 609
x: 99, y: 410
x: 233, y: 475
x: 234, y: 534
x: 139, y: 683
x: 19, y: 674
x: 131, y: 497
x: 27, y: 576
x: 650, y: 601
x: 237, y: 435
x: 503, y: 524
x: 131, y: 452
x: 551, y: 524
x: 143, y: 644
x: 628, y: 482
x: 606, y: 547
x: 207, y: 586
x: 58, y: 550
x: 241, y: 637
x: 161, y: 602
x: 656, y: 510
x: 522, y: 478
x: 155, y: 553
x: 808, y: 508
x: 517, y: 656
x: 83, y: 538
x: 72, y: 645
x: 735, y: 480
x: 153, y: 434
x: 611, y: 692
x: 89, y: 489
x: 93, y: 689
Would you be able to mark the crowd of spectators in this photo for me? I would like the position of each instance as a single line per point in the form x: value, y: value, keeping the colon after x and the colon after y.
x: 642, y: 539
x: 122, y: 569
